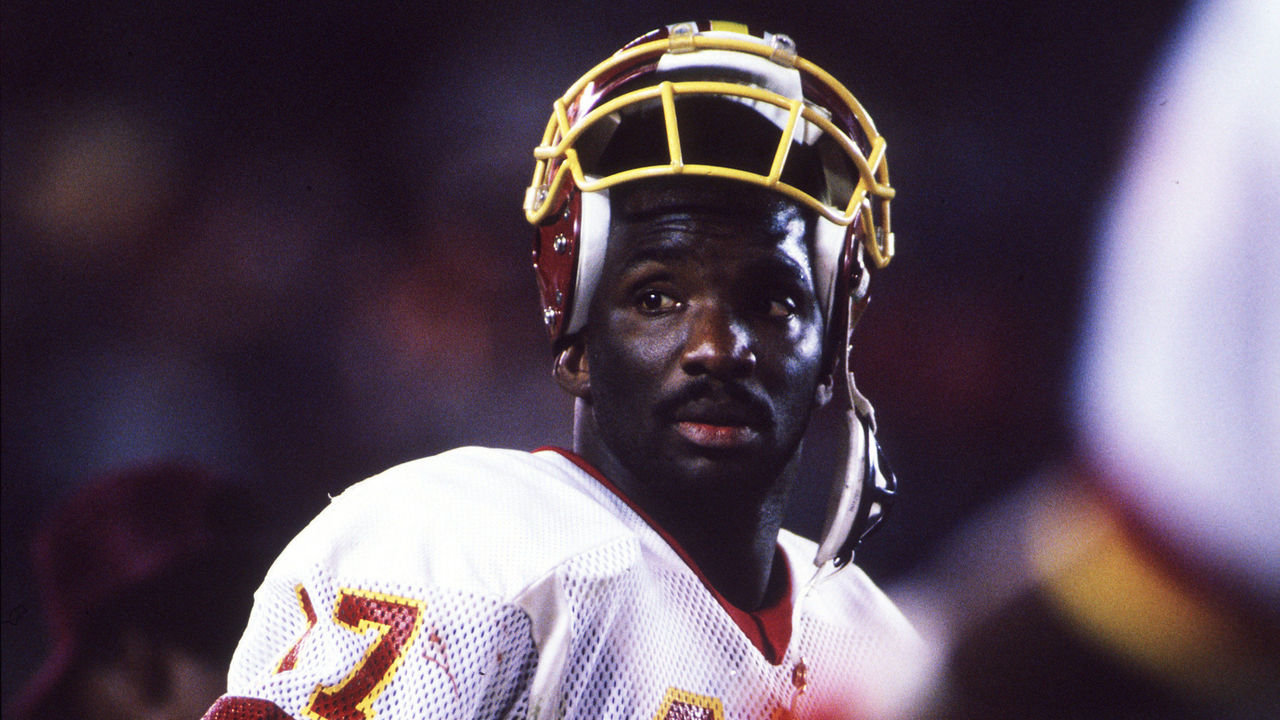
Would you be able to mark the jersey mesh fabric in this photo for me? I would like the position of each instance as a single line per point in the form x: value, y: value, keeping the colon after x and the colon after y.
x: 451, y: 635
x: 588, y: 614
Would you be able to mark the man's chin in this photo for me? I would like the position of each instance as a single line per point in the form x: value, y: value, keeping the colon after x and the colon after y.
x: 721, y: 475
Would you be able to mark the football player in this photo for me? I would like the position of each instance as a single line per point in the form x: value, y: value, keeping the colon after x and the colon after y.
x: 706, y: 203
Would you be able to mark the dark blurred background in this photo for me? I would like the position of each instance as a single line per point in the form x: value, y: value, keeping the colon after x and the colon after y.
x: 285, y: 242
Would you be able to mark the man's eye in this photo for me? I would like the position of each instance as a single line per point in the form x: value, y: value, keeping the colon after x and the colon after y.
x: 653, y: 301
x: 780, y: 307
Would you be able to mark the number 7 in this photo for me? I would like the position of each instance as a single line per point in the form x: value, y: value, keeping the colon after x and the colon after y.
x: 396, y: 621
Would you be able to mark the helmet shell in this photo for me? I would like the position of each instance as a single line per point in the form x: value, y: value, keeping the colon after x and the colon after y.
x: 662, y: 75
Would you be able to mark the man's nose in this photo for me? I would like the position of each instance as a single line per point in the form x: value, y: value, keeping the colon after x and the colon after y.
x: 719, y: 343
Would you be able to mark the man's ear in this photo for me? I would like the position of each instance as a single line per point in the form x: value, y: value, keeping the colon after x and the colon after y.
x: 570, y: 369
x: 826, y: 388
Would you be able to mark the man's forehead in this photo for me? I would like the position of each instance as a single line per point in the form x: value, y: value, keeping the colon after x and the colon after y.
x: 672, y: 221
x: 751, y: 210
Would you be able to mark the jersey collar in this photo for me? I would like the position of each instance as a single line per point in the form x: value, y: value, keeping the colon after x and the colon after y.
x: 769, y: 628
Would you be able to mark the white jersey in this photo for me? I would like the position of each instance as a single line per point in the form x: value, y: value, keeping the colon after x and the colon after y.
x: 500, y: 584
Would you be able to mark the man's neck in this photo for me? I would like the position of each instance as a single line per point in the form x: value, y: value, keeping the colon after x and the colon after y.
x: 735, y: 552
x: 733, y: 545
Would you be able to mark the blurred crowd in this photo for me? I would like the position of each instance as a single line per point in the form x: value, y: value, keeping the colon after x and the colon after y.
x: 145, y: 578
x: 285, y: 246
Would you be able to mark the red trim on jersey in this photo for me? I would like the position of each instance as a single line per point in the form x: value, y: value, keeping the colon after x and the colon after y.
x: 768, y: 628
x: 230, y: 707
x: 290, y: 659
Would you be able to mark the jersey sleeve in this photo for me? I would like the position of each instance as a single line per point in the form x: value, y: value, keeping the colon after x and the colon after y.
x: 356, y: 620
x: 322, y: 648
x: 442, y: 588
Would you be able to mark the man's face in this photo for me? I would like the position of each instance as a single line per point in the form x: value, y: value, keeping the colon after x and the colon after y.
x: 704, y: 338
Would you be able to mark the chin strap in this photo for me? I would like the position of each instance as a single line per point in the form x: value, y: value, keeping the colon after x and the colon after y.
x: 862, y: 498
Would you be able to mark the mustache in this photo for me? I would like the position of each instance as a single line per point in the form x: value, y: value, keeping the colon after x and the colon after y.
x: 705, y: 393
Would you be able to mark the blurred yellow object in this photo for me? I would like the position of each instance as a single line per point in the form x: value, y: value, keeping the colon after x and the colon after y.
x: 1116, y: 590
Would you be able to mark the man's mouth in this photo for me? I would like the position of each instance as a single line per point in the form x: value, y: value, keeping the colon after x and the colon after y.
x: 716, y: 437
x: 718, y: 425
